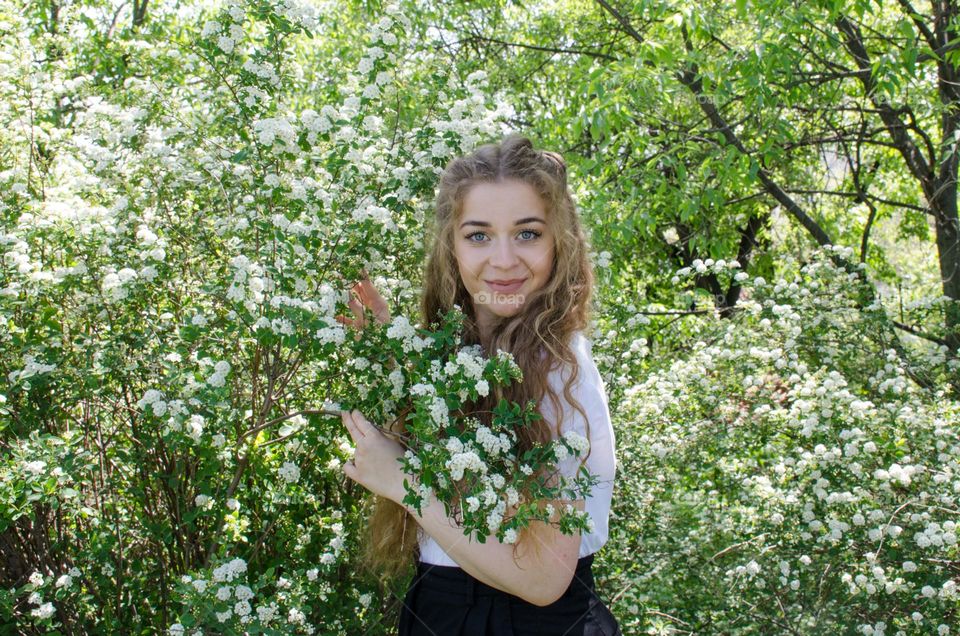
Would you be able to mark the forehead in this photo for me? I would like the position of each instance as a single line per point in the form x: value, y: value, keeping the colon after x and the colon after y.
x: 502, y: 202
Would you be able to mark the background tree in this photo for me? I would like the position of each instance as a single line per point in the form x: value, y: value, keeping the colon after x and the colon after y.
x: 705, y: 126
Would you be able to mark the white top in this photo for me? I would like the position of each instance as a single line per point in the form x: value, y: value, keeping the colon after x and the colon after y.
x: 591, y: 393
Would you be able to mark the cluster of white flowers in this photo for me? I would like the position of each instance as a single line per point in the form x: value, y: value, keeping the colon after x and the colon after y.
x: 66, y: 580
x: 115, y: 284
x: 423, y: 389
x: 937, y: 535
x: 700, y: 267
x: 318, y: 123
x: 31, y: 368
x: 602, y: 260
x: 401, y: 329
x: 229, y: 570
x: 336, y: 545
x: 300, y: 13
x: 194, y: 427
x: 43, y: 610
x: 247, y: 275
x: 483, y: 388
x: 219, y: 376
x: 470, y: 361
x: 578, y: 442
x: 495, y: 516
x: 454, y: 445
x: 439, y: 411
x: 901, y: 474
x: 36, y: 467
x: 412, y: 458
x: 153, y: 246
x: 376, y: 213
x: 296, y: 617
x: 334, y: 334
x: 289, y: 472
x: 271, y: 130
x: 492, y: 444
x: 463, y: 461
x: 264, y: 71
x: 153, y: 399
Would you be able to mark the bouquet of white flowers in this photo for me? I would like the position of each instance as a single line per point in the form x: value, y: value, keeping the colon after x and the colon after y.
x: 470, y: 459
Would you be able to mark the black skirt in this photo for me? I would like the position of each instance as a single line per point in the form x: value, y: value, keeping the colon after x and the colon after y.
x: 446, y: 601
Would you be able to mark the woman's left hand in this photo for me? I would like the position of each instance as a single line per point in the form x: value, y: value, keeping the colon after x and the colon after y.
x: 374, y: 465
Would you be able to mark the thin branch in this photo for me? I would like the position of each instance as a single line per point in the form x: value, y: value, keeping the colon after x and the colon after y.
x: 622, y: 19
x: 853, y: 41
x: 854, y: 195
x: 920, y: 24
x: 675, y: 312
x: 731, y: 548
x: 920, y: 334
x: 536, y: 47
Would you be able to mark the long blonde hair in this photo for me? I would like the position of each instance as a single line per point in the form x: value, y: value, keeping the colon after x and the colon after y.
x: 538, y: 336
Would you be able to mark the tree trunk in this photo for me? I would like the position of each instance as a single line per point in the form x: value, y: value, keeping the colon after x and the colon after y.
x: 139, y: 12
x: 944, y: 192
x: 948, y: 246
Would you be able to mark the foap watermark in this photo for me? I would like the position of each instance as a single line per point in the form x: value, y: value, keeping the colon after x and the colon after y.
x: 496, y: 298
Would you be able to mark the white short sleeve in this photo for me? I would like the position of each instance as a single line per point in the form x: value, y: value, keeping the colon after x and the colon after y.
x: 590, y: 392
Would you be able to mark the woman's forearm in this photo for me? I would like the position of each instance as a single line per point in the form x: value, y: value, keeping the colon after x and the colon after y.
x: 537, y: 578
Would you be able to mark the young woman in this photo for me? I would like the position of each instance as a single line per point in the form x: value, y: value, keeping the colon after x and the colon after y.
x: 507, y: 248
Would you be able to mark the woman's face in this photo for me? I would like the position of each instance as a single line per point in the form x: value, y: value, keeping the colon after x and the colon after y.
x: 503, y: 246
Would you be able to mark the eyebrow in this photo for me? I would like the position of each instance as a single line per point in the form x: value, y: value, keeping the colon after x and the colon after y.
x: 529, y: 219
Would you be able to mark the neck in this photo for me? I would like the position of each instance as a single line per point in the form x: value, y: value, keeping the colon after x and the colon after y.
x: 485, y: 328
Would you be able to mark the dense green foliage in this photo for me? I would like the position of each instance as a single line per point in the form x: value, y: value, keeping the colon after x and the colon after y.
x: 187, y: 188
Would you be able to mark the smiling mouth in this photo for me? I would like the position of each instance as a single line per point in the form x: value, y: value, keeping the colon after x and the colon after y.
x: 507, y: 285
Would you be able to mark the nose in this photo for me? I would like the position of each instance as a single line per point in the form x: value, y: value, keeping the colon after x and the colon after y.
x: 503, y: 256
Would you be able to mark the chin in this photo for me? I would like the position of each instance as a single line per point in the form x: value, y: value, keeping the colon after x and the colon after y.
x: 505, y: 311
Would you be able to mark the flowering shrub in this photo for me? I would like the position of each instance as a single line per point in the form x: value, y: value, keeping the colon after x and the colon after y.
x: 789, y: 475
x: 170, y: 276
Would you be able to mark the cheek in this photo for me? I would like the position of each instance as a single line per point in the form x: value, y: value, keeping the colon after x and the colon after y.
x: 463, y: 263
x: 544, y: 263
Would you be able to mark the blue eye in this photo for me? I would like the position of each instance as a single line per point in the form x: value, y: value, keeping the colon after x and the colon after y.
x: 524, y: 235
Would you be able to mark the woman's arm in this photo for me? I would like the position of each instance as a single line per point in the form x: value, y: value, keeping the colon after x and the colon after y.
x: 537, y: 578
x: 540, y: 579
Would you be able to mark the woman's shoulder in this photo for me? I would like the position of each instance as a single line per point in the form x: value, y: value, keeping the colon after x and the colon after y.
x: 581, y: 346
x: 581, y: 349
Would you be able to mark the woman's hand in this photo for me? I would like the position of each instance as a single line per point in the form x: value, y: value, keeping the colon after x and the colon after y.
x: 365, y: 296
x: 374, y: 465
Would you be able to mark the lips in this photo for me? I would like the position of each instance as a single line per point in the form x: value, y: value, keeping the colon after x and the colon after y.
x: 506, y: 286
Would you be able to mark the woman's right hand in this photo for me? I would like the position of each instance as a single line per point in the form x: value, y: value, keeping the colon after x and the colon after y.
x: 365, y: 296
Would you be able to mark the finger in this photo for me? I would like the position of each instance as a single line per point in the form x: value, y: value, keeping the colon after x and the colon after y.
x: 357, y: 310
x: 370, y: 296
x: 364, y: 426
x: 377, y: 301
x: 369, y: 292
x: 343, y: 320
x: 365, y: 291
x: 348, y: 421
x: 350, y: 470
